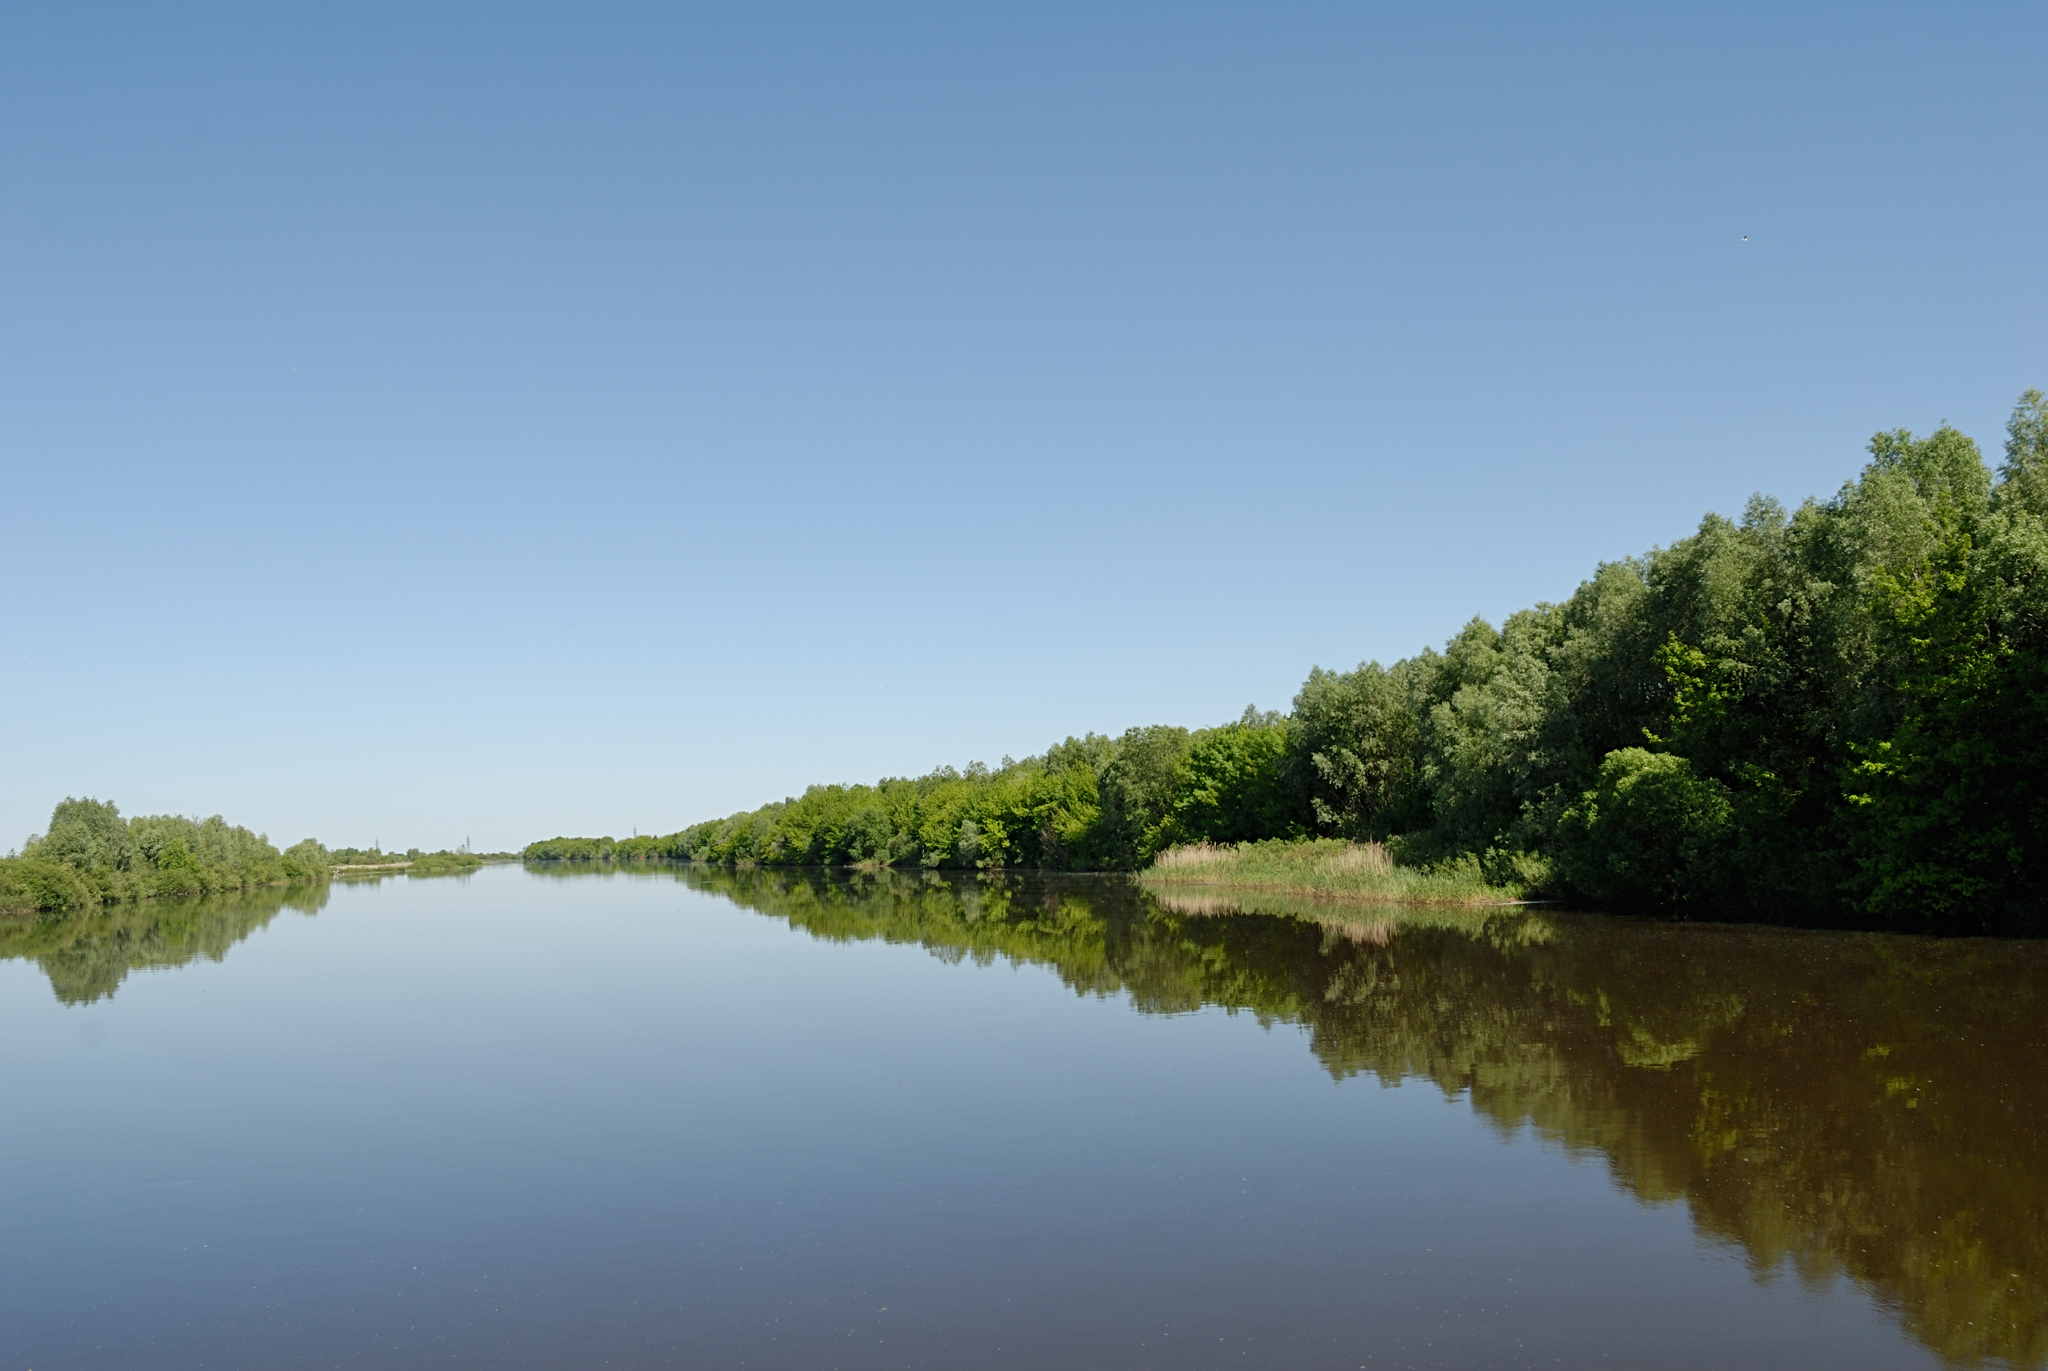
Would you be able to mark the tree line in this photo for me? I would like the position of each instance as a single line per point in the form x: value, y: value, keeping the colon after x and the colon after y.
x: 1834, y: 714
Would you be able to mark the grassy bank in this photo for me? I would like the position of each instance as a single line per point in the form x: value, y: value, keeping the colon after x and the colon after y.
x: 1325, y: 868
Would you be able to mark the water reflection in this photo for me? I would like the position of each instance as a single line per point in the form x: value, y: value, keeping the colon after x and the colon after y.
x: 1829, y: 1104
x: 87, y: 955
x: 1824, y: 1104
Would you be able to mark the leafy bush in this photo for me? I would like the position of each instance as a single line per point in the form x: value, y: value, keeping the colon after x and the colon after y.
x: 37, y: 883
x: 1649, y: 834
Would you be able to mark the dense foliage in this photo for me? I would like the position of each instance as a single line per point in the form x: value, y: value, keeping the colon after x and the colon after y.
x: 1837, y: 713
x: 92, y: 856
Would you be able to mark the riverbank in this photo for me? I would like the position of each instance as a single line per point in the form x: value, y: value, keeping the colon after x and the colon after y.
x: 1314, y: 869
x: 30, y: 885
x: 1326, y: 868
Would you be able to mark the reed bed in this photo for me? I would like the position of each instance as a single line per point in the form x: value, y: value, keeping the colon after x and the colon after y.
x: 1327, y: 868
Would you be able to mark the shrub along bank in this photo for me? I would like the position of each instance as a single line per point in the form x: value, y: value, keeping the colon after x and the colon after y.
x: 1834, y: 714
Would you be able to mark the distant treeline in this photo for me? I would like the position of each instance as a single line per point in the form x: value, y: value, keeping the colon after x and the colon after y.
x: 1833, y: 714
x: 1092, y: 803
x: 92, y: 856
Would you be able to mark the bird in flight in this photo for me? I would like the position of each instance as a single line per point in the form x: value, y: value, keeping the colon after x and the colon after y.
x: 1745, y: 238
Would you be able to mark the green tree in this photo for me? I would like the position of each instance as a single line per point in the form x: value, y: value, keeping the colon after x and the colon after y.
x: 1948, y: 813
x: 1137, y: 788
x: 1359, y: 736
x: 1649, y: 834
x: 87, y: 835
x: 1232, y: 786
x: 2023, y: 480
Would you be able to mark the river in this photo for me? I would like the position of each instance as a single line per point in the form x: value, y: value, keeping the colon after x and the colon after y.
x: 676, y: 1116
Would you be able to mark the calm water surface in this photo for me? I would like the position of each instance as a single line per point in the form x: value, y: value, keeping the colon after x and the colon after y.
x: 691, y: 1118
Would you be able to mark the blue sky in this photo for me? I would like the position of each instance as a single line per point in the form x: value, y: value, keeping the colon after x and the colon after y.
x: 441, y: 422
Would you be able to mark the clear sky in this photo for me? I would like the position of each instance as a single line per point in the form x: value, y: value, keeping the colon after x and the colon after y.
x: 428, y: 422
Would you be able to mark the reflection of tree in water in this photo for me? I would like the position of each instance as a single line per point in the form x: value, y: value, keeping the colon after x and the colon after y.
x: 88, y: 954
x: 1856, y: 1104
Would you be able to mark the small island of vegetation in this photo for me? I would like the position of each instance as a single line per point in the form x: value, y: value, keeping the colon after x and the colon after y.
x: 368, y: 862
x: 91, y: 856
x: 1836, y: 714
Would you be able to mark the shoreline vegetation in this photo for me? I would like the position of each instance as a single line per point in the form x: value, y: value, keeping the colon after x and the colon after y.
x: 92, y: 857
x: 351, y: 863
x: 1833, y: 715
x: 1329, y: 869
